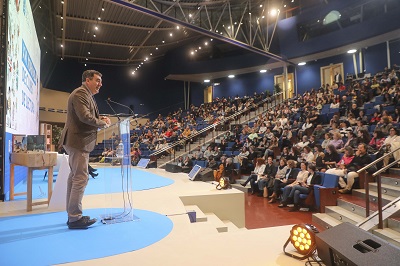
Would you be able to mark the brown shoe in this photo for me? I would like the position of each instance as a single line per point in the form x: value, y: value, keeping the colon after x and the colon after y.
x: 344, y: 191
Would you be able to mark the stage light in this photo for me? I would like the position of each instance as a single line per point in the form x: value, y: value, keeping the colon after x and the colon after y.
x: 223, y: 183
x: 302, y: 237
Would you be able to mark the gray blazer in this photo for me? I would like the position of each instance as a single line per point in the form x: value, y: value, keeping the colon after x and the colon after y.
x: 80, y: 130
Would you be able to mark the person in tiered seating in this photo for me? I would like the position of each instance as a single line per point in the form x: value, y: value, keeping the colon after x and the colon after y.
x: 391, y: 143
x: 336, y: 141
x: 384, y: 125
x: 360, y: 160
x: 304, y: 187
x: 377, y: 141
x: 267, y: 178
x: 307, y: 155
x: 255, y: 175
x: 187, y: 165
x: 279, y: 181
x: 319, y: 132
x: 376, y: 117
x: 327, y: 140
x: 331, y: 158
x: 351, y: 141
x: 342, y: 166
x: 300, y: 179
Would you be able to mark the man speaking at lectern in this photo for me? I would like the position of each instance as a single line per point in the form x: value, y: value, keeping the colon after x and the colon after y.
x: 78, y: 139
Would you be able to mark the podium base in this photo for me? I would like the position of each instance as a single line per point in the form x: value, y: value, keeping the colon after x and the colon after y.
x: 114, y: 218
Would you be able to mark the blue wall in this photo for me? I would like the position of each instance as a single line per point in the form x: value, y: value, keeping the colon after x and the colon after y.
x: 292, y: 47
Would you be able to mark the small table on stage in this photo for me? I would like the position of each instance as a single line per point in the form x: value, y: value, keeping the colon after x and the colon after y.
x: 34, y: 161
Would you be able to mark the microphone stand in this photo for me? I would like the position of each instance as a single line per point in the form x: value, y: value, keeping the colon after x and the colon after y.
x: 123, y: 105
x: 108, y: 102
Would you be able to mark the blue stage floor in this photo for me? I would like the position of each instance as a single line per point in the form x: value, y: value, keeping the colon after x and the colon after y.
x: 109, y: 180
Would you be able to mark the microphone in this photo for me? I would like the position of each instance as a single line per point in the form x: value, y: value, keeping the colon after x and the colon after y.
x: 120, y: 104
x: 107, y: 101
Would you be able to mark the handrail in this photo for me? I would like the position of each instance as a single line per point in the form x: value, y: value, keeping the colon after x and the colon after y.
x: 385, y: 168
x: 379, y: 186
x: 377, y: 161
x: 159, y: 151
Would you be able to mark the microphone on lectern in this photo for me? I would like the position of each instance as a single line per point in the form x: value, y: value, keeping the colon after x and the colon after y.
x: 115, y: 113
x: 120, y: 104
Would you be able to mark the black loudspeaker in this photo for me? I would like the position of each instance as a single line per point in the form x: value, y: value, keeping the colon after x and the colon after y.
x: 173, y: 168
x: 206, y: 174
x: 152, y: 164
x: 346, y: 244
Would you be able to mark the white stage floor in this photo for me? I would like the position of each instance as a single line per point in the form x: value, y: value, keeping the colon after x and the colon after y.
x: 189, y: 243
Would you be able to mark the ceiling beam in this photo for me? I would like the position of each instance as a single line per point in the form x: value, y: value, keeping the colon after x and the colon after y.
x: 200, y: 30
x: 64, y: 23
x: 101, y: 22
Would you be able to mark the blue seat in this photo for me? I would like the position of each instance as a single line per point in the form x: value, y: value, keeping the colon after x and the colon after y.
x: 203, y: 164
x: 235, y: 153
x: 326, y: 194
x: 227, y: 153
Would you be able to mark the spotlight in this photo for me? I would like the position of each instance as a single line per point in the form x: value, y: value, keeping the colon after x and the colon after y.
x: 177, y: 27
x: 206, y: 43
x: 302, y: 237
x: 223, y: 183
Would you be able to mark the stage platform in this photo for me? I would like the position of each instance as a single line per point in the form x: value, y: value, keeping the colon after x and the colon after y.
x: 219, y: 236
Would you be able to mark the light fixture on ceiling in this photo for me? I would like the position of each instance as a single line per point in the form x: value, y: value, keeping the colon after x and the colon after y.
x: 62, y: 45
x: 156, y: 48
x: 190, y: 15
x: 231, y: 76
x: 94, y: 35
x: 88, y: 52
x: 62, y: 2
x: 163, y: 41
x: 99, y: 18
x: 44, y: 37
x: 273, y: 12
x: 206, y: 80
x: 85, y: 64
x: 263, y: 70
x: 170, y: 34
x: 302, y: 63
x: 206, y: 43
x: 302, y: 237
x: 151, y: 53
x: 351, y: 51
x: 87, y: 59
x: 133, y: 72
x: 192, y: 53
x: 62, y: 17
x: 177, y: 27
x: 96, y: 28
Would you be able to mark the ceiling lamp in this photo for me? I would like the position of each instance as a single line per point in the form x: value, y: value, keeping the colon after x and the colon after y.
x: 302, y: 237
x: 231, y: 76
x: 302, y: 63
x: 206, y: 80
x: 263, y: 70
x: 351, y: 51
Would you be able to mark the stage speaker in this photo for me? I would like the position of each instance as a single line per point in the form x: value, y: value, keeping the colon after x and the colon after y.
x: 173, y: 168
x: 206, y: 174
x: 346, y: 244
x: 152, y: 164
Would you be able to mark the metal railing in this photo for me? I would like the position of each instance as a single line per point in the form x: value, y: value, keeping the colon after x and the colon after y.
x: 272, y: 98
x: 377, y: 174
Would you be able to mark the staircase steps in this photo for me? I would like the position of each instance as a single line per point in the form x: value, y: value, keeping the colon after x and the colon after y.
x: 373, y: 196
x: 343, y: 215
x: 324, y: 220
x: 217, y: 223
x: 388, y: 234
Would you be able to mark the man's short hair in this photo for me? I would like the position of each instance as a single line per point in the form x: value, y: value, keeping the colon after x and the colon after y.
x: 90, y: 74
